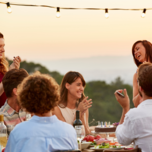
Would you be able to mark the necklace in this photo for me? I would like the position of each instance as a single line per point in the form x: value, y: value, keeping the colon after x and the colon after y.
x: 73, y: 111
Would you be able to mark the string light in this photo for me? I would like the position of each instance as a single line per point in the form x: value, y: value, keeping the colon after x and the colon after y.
x: 58, y: 12
x: 72, y: 8
x: 143, y: 13
x: 9, y: 10
x: 106, y: 13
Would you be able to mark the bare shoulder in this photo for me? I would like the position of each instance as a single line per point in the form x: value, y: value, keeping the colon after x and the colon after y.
x: 58, y: 113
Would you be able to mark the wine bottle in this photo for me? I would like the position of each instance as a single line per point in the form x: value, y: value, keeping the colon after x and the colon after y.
x: 77, y: 122
x: 78, y: 125
x: 3, y: 132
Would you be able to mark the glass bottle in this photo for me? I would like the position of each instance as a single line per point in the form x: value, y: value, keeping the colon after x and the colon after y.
x: 3, y: 132
x: 78, y: 125
x: 79, y: 129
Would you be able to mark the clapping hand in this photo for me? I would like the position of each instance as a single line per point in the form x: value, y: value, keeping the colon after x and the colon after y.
x: 124, y: 102
x: 84, y: 105
x: 16, y: 63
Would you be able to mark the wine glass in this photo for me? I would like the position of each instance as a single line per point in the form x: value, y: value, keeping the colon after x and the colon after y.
x: 80, y: 134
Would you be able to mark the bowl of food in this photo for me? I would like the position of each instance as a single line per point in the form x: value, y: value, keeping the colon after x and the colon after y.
x: 84, y: 145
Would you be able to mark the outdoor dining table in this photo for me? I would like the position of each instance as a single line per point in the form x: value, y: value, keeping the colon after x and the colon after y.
x: 111, y: 136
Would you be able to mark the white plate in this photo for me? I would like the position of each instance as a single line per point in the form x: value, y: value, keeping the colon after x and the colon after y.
x: 98, y: 149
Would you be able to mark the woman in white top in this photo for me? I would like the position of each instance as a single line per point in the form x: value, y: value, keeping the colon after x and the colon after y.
x: 72, y: 98
x: 142, y: 52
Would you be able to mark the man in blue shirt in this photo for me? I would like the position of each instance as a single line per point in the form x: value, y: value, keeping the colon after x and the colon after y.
x: 39, y: 94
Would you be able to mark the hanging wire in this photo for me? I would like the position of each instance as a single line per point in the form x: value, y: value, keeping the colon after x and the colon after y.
x: 72, y: 8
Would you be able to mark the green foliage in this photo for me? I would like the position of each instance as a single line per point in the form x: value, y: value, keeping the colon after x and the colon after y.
x: 105, y: 107
x: 32, y: 67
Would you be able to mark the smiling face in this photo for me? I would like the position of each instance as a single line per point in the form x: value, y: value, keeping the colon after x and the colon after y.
x: 2, y: 50
x: 76, y: 88
x: 140, y: 52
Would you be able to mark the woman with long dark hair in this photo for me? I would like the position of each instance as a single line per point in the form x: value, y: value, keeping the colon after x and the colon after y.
x: 4, y: 67
x: 142, y: 52
x: 72, y: 98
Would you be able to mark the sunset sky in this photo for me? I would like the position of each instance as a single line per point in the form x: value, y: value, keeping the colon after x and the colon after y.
x: 36, y: 34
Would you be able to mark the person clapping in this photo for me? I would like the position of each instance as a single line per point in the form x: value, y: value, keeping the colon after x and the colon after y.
x: 4, y: 67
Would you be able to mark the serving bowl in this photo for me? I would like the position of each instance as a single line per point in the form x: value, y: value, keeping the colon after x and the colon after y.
x: 84, y: 145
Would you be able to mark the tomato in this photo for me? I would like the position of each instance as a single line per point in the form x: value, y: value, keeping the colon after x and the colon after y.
x: 112, y: 143
x: 97, y: 137
x: 90, y: 138
x: 85, y: 138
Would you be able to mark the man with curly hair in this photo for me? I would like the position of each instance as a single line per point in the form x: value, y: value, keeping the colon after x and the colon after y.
x: 13, y: 114
x: 39, y: 94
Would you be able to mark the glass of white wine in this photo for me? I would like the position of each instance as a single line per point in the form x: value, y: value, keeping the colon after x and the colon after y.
x: 81, y: 136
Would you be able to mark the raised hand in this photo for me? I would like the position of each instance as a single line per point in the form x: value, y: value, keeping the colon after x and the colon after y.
x: 124, y: 102
x: 84, y: 105
x: 16, y: 63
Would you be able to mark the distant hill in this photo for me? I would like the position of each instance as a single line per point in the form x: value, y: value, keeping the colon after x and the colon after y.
x: 105, y: 68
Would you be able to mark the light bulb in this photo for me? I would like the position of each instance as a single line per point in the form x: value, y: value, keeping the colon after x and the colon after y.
x: 106, y: 13
x: 143, y: 13
x: 9, y: 10
x: 58, y: 12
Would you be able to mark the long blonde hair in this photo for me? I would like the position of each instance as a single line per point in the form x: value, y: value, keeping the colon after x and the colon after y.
x: 3, y: 62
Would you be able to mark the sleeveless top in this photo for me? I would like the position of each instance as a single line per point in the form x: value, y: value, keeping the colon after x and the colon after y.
x: 69, y: 114
x: 3, y: 96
